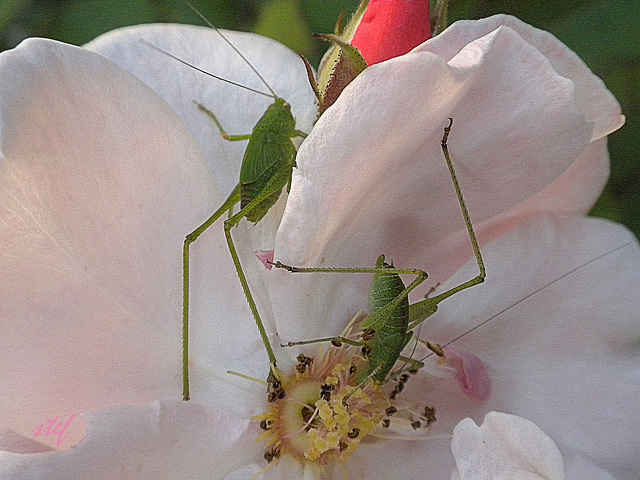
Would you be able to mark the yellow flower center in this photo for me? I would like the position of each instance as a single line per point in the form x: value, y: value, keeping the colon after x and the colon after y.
x: 320, y: 413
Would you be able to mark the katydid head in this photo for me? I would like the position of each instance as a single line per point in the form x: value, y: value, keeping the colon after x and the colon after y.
x: 281, y: 103
x: 278, y: 118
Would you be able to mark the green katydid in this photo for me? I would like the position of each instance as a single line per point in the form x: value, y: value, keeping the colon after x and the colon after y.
x: 326, y: 407
x: 391, y: 318
x: 267, y: 167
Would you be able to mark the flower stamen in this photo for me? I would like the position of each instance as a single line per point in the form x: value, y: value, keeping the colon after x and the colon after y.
x: 311, y: 421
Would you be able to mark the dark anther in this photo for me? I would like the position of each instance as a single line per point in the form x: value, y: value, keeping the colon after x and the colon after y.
x: 277, y: 394
x: 353, y: 433
x: 429, y: 415
x: 303, y: 359
x: 272, y: 454
x: 265, y: 424
x: 368, y: 334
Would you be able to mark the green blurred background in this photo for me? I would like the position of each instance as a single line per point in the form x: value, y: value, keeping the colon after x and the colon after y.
x: 605, y: 33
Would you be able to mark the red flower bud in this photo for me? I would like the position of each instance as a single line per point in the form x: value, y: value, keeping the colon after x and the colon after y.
x: 391, y: 28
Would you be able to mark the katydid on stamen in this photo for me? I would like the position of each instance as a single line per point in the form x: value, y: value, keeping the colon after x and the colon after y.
x: 324, y: 409
x: 391, y: 318
x: 267, y: 167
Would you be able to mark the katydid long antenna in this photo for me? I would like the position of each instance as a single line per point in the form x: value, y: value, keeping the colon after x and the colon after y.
x: 222, y: 79
x: 235, y: 49
x: 535, y: 292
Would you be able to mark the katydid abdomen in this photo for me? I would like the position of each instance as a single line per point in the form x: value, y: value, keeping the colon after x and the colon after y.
x: 392, y: 336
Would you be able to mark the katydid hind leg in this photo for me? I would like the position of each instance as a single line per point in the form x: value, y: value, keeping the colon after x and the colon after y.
x: 420, y: 311
x: 228, y: 225
x: 227, y: 206
x: 336, y: 341
x: 232, y: 221
x: 265, y: 194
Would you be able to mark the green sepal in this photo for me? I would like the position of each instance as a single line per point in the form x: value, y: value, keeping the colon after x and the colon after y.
x: 341, y: 64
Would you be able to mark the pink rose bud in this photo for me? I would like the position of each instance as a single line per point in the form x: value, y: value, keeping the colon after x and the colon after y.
x: 391, y: 28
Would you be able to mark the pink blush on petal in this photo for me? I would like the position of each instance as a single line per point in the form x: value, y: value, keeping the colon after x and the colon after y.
x: 471, y: 373
x: 266, y: 257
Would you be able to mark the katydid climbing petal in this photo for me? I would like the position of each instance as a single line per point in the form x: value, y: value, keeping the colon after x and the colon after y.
x: 387, y: 294
x: 269, y: 157
x: 267, y: 166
